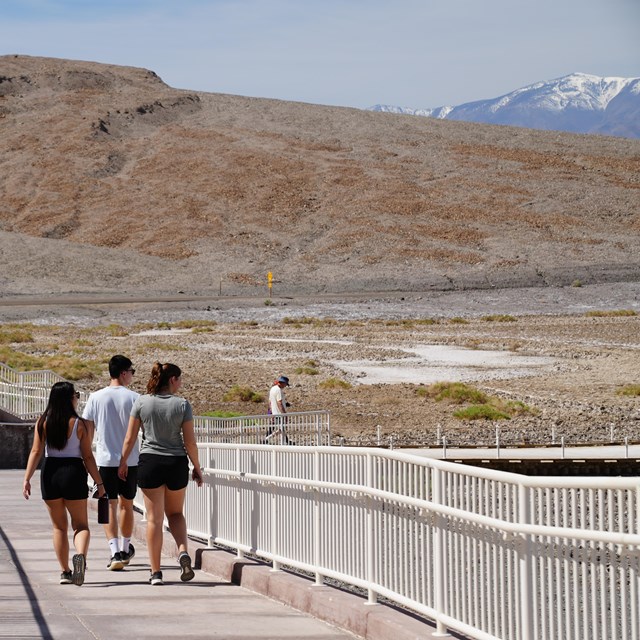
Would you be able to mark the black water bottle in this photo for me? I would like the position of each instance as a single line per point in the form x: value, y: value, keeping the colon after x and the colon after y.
x: 103, y: 509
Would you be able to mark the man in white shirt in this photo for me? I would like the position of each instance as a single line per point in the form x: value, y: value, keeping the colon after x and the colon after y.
x: 107, y: 415
x: 278, y: 407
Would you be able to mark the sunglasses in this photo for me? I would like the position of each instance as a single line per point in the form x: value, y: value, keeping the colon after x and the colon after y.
x: 132, y: 370
x: 76, y: 394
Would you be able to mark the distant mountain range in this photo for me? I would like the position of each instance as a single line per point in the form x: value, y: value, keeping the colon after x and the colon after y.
x: 579, y: 103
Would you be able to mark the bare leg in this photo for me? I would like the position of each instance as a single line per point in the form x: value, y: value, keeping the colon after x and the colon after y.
x: 80, y: 522
x: 58, y: 515
x: 154, y: 505
x: 111, y: 528
x: 126, y: 517
x: 173, y: 507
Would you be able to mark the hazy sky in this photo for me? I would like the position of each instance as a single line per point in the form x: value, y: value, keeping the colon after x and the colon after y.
x: 414, y: 53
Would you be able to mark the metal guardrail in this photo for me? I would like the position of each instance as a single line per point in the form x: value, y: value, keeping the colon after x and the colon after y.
x: 25, y: 395
x: 493, y: 555
x: 296, y: 428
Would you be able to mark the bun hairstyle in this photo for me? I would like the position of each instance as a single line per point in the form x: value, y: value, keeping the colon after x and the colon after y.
x: 160, y: 376
x: 57, y: 415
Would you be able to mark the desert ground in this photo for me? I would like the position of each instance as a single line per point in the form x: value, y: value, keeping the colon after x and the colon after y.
x: 565, y: 353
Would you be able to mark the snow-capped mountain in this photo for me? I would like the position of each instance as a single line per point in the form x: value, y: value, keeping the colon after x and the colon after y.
x: 579, y: 102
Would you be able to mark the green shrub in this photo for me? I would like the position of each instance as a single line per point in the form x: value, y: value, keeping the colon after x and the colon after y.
x: 576, y: 283
x: 15, y: 335
x: 307, y: 371
x: 480, y: 412
x: 222, y: 414
x: 629, y: 390
x: 192, y: 324
x: 242, y: 394
x: 499, y: 317
x: 456, y: 392
x: 334, y: 383
x: 458, y: 320
x: 611, y: 314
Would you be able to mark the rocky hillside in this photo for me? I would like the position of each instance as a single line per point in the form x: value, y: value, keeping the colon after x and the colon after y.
x: 111, y: 179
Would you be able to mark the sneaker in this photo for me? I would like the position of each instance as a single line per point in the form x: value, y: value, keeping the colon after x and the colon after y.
x: 79, y: 566
x: 126, y: 556
x: 156, y: 578
x: 186, y: 572
x: 116, y: 563
x: 66, y: 577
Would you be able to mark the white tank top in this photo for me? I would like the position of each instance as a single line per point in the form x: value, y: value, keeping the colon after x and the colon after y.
x: 71, y: 449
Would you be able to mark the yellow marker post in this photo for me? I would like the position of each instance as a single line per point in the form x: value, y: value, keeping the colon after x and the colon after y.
x: 270, y: 281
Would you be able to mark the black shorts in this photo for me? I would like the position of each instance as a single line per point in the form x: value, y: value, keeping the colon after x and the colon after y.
x: 116, y: 487
x: 155, y: 471
x: 64, y: 478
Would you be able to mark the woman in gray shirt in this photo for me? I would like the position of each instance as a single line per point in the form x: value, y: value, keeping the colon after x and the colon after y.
x: 168, y: 443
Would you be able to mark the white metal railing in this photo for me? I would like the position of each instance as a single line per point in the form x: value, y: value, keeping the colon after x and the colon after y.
x: 301, y: 428
x: 25, y: 393
x: 490, y: 554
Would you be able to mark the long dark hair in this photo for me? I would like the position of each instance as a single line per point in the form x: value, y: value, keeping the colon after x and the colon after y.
x: 57, y: 415
x: 160, y: 375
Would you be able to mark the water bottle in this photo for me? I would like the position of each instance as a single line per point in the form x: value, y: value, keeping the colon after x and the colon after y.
x: 103, y: 509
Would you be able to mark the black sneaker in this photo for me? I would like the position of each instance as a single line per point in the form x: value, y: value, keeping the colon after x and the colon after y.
x: 156, y: 578
x: 79, y: 566
x: 66, y: 577
x: 186, y: 572
x: 126, y: 556
x: 116, y: 563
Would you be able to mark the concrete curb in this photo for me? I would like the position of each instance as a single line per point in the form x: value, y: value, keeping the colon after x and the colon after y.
x: 344, y: 610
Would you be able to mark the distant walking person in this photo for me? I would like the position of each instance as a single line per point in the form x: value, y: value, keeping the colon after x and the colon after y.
x: 278, y: 408
x: 107, y: 415
x: 168, y: 443
x: 66, y: 442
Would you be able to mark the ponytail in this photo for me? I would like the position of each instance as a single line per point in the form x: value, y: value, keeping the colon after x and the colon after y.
x: 160, y: 376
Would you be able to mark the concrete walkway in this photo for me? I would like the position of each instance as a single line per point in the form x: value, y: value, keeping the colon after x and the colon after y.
x: 123, y: 605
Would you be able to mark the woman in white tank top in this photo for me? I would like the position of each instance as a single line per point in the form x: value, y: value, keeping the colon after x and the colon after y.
x: 66, y: 443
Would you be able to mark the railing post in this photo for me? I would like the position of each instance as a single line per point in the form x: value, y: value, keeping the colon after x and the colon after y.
x: 317, y: 518
x: 275, y: 565
x: 372, y: 596
x: 524, y: 566
x: 240, y: 552
x: 439, y: 547
x: 208, y: 507
x: 497, y: 441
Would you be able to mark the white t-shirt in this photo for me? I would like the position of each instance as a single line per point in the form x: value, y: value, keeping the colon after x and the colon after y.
x: 109, y: 409
x: 275, y: 394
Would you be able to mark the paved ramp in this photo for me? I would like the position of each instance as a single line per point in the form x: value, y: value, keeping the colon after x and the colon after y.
x: 121, y: 604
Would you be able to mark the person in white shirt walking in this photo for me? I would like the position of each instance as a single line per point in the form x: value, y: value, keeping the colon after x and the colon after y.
x: 107, y: 415
x: 278, y: 408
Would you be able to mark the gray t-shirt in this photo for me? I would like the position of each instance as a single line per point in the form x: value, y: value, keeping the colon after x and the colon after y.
x: 162, y: 417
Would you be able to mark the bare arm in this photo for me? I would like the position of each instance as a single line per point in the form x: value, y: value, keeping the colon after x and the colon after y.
x: 91, y: 428
x: 127, y: 446
x: 37, y: 449
x: 84, y: 435
x: 189, y: 439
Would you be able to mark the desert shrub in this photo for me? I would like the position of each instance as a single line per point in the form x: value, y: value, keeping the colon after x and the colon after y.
x: 480, y: 412
x: 192, y: 324
x: 611, y: 314
x: 69, y: 367
x: 334, y: 383
x: 116, y: 330
x: 499, y: 317
x: 576, y: 283
x: 458, y: 320
x: 308, y: 369
x: 629, y: 390
x: 15, y: 335
x: 242, y: 394
x: 456, y: 392
x: 268, y: 303
x: 20, y: 361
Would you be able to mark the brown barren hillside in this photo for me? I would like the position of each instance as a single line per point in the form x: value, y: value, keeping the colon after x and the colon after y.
x: 111, y: 179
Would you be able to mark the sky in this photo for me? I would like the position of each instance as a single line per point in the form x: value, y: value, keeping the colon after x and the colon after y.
x: 353, y: 53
